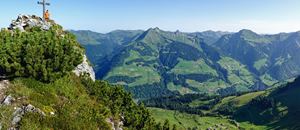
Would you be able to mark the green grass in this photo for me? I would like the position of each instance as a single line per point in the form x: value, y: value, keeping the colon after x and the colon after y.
x: 268, y: 80
x: 180, y: 89
x: 147, y: 75
x: 238, y: 74
x: 6, y: 113
x: 208, y: 87
x: 67, y: 97
x: 238, y: 100
x: 193, y: 67
x: 136, y: 55
x: 184, y: 121
x: 245, y: 99
x: 47, y: 96
x: 260, y: 64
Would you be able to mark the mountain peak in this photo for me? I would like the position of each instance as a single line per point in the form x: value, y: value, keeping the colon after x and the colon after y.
x: 251, y: 36
x: 246, y: 32
x: 156, y: 29
x: 151, y: 35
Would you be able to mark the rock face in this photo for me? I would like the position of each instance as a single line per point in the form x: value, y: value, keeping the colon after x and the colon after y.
x: 85, y: 68
x: 29, y: 21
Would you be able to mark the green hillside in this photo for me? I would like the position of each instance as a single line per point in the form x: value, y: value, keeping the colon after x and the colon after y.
x: 271, y: 56
x: 100, y: 45
x: 275, y: 108
x: 160, y: 63
x: 185, y: 121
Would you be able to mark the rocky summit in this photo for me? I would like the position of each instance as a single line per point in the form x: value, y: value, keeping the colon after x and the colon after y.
x: 29, y: 21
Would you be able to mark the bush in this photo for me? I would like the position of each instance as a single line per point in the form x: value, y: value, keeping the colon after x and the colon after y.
x: 43, y: 55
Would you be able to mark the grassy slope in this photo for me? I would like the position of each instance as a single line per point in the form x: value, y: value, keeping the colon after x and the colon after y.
x: 239, y: 100
x: 145, y: 74
x: 184, y: 121
x: 188, y: 120
x: 284, y: 115
x: 238, y: 74
x: 65, y: 95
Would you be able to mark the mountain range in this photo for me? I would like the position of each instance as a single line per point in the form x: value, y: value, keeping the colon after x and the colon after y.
x: 155, y: 63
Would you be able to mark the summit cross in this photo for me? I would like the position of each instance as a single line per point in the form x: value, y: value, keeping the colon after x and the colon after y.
x: 44, y: 3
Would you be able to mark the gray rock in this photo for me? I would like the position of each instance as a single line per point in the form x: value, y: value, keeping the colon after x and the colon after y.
x: 24, y: 21
x: 20, y: 112
x: 16, y: 120
x: 85, y: 68
x: 30, y: 108
x: 8, y: 100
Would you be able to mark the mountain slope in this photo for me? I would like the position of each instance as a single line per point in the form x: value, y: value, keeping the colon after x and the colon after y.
x: 277, y: 109
x: 271, y: 57
x: 100, y: 45
x: 160, y: 63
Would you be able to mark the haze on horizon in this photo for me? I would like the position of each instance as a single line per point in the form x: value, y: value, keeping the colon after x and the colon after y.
x: 261, y: 16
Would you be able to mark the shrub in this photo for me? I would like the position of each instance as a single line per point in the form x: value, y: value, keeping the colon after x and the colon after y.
x: 43, y: 55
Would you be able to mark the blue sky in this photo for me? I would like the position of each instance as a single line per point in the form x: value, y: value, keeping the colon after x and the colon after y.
x: 262, y: 16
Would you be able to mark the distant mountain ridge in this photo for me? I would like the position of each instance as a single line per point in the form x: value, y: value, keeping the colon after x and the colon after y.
x: 157, y: 63
x: 273, y: 56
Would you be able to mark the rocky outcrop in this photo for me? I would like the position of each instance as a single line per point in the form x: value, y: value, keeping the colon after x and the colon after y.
x: 85, y: 68
x: 20, y: 112
x: 28, y: 21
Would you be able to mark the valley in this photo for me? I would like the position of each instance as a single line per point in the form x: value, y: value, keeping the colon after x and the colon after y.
x: 157, y: 63
x: 195, y: 80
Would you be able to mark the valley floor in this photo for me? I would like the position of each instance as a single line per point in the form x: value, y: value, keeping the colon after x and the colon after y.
x: 185, y: 121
